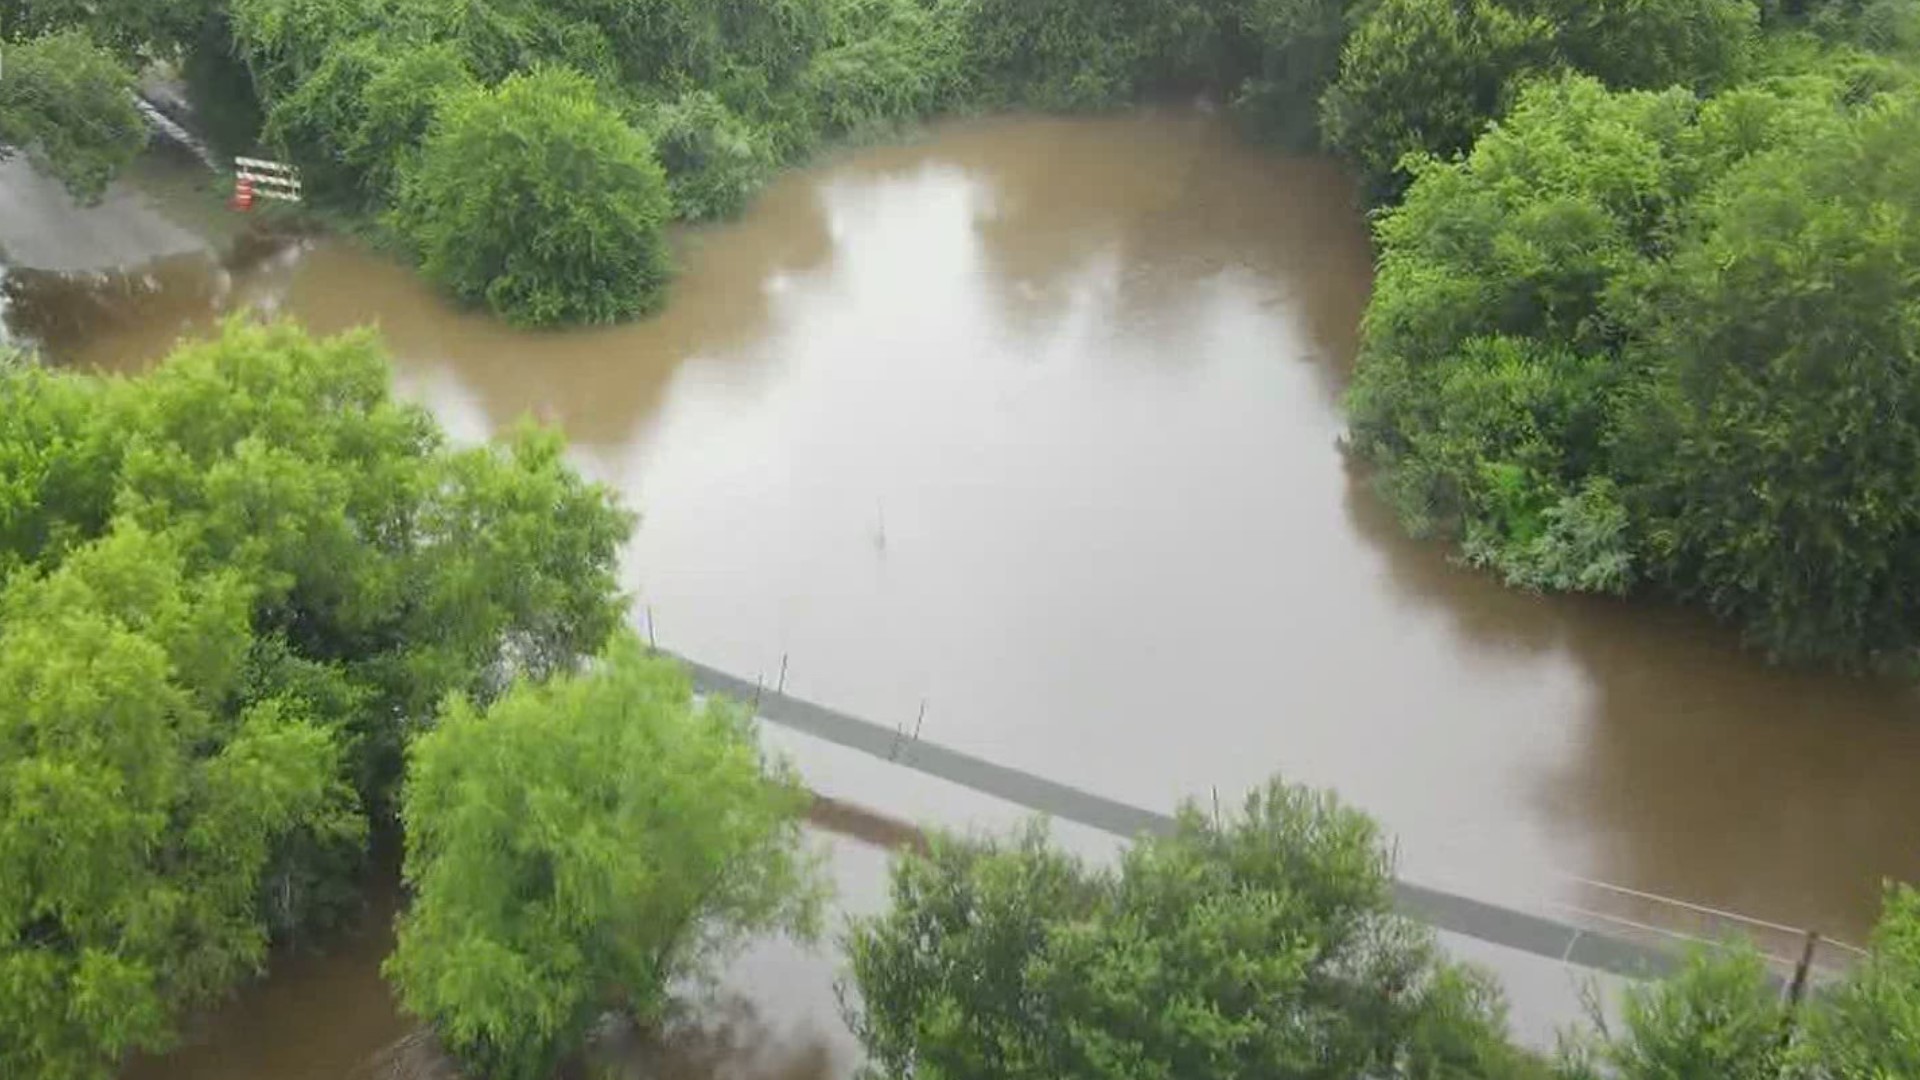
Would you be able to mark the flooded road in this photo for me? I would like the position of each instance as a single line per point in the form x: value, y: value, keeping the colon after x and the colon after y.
x: 1035, y: 422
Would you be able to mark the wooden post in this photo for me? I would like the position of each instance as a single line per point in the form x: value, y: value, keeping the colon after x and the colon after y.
x: 1797, y: 990
x: 781, y: 687
x: 652, y: 642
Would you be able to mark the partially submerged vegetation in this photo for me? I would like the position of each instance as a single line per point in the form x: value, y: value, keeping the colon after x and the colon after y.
x: 1646, y: 319
x: 1265, y: 945
x: 237, y: 591
x: 256, y: 611
x: 1645, y: 309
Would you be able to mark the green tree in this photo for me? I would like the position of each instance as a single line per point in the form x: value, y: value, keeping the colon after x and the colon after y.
x: 1424, y: 77
x: 579, y: 847
x: 140, y: 803
x: 538, y: 200
x: 234, y: 587
x: 1488, y: 382
x: 1503, y: 350
x: 1722, y: 1016
x: 374, y: 550
x: 69, y: 105
x: 1777, y: 457
x: 1083, y: 54
x: 134, y: 30
x: 1262, y: 946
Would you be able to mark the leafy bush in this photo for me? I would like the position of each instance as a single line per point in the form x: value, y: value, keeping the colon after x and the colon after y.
x: 1261, y: 946
x: 714, y: 160
x: 69, y: 105
x: 540, y: 201
x: 580, y: 846
x: 1506, y: 344
x: 1722, y: 1016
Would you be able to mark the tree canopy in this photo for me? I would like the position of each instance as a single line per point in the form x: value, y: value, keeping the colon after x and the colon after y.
x: 233, y: 589
x: 580, y: 846
x: 539, y: 200
x: 1264, y: 945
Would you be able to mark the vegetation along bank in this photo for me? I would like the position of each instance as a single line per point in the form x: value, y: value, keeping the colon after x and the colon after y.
x: 1646, y: 309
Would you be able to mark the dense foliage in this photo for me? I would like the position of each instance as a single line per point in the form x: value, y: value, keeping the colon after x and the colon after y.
x: 1261, y: 946
x: 581, y: 846
x: 540, y: 200
x: 233, y: 589
x: 1649, y: 337
x: 68, y: 104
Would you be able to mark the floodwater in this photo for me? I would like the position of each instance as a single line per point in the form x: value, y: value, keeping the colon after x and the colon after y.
x: 1034, y: 424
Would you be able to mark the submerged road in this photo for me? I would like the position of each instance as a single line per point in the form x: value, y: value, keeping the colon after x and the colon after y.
x: 1497, y: 924
x: 43, y: 228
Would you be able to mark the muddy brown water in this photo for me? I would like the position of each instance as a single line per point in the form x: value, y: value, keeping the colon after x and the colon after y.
x: 1035, y: 422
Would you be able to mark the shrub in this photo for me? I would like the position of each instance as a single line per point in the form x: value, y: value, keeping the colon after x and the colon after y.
x: 1488, y: 380
x: 580, y: 846
x: 540, y: 201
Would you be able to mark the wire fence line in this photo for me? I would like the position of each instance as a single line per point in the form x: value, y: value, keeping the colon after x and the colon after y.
x: 1641, y: 945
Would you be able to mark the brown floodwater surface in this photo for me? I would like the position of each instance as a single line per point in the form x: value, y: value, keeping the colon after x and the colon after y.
x: 1036, y: 422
